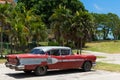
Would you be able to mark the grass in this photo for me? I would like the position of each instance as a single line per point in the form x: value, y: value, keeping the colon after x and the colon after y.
x: 104, y: 46
x: 2, y: 60
x: 101, y: 57
x: 108, y: 67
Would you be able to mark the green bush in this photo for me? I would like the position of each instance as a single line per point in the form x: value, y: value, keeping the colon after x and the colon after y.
x: 52, y: 43
x: 43, y: 43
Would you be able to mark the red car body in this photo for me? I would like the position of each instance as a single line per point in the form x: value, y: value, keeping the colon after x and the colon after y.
x: 42, y: 59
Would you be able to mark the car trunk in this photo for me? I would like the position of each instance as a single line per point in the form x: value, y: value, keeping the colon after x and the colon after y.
x: 15, y: 58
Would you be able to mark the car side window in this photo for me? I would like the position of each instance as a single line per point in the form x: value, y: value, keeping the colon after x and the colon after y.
x: 65, y: 51
x: 55, y: 52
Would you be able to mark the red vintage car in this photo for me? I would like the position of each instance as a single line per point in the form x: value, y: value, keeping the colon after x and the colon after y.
x: 42, y: 59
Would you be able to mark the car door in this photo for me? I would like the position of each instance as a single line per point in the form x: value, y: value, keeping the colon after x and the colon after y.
x: 54, y: 59
x: 69, y: 60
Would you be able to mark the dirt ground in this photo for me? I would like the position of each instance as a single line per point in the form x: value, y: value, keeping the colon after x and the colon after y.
x: 8, y: 74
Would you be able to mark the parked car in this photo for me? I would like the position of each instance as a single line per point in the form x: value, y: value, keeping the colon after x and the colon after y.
x: 42, y: 59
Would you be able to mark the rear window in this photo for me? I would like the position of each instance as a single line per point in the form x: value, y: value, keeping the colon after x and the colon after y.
x: 37, y: 51
x: 65, y: 52
x: 54, y: 52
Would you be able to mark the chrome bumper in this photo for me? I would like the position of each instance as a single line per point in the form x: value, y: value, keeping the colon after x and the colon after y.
x: 11, y: 66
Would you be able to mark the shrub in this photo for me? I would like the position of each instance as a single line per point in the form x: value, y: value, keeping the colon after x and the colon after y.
x: 53, y: 43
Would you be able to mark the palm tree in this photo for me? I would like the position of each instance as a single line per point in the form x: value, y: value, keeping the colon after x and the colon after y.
x: 3, y: 23
x: 38, y: 30
x: 59, y: 19
x: 35, y: 25
x: 81, y: 27
x: 24, y: 25
x: 18, y: 31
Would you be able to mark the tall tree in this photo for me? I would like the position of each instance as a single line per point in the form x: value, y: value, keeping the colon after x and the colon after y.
x: 45, y: 8
x: 106, y: 24
x: 25, y: 25
x: 102, y: 25
x: 58, y: 21
x: 114, y: 24
x: 17, y: 31
x: 3, y: 8
x: 81, y: 27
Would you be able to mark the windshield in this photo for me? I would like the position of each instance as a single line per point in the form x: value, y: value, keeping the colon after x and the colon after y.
x: 37, y: 51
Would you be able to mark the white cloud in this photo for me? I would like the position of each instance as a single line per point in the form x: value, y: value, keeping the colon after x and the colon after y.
x: 97, y: 7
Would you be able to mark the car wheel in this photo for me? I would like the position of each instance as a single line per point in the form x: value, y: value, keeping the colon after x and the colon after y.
x: 87, y: 66
x: 27, y: 71
x: 40, y: 71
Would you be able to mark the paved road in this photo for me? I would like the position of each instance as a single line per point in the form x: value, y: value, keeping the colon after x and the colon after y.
x: 8, y: 74
x: 110, y: 58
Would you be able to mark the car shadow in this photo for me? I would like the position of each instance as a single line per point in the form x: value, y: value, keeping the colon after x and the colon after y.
x: 23, y: 75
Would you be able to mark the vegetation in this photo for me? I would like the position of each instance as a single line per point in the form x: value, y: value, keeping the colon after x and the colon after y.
x: 108, y: 67
x: 106, y: 24
x: 2, y: 60
x: 104, y: 46
x: 29, y: 21
x: 101, y: 57
x: 63, y: 22
x: 45, y: 8
x: 23, y: 26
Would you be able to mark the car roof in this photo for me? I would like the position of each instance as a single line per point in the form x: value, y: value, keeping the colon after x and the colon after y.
x: 47, y: 48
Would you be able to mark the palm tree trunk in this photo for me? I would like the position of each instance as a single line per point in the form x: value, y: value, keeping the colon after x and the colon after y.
x: 80, y: 45
x: 1, y: 42
x: 11, y: 47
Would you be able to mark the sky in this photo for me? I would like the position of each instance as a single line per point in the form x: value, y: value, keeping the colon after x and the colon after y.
x: 102, y: 6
